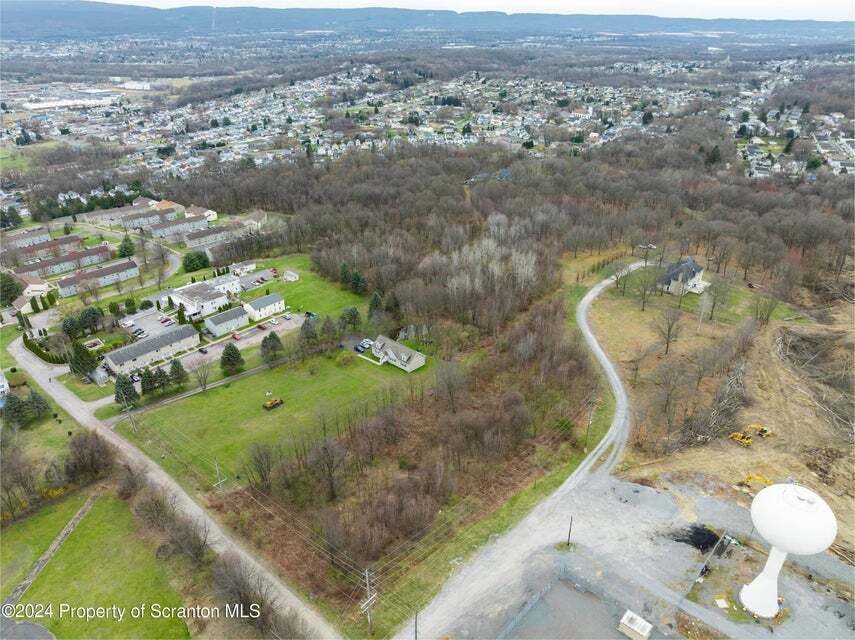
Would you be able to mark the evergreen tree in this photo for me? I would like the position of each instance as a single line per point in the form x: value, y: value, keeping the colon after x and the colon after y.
x: 271, y: 347
x: 130, y: 306
x: 177, y: 374
x: 231, y: 361
x: 15, y: 411
x: 10, y: 289
x: 344, y: 274
x: 350, y: 318
x: 126, y: 247
x: 147, y: 383
x: 81, y: 360
x: 126, y: 393
x: 375, y: 305
x: 34, y: 305
x: 308, y: 333
x: 161, y: 378
x: 182, y: 319
x: 357, y: 282
x: 38, y: 407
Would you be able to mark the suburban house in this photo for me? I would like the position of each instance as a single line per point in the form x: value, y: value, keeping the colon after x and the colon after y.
x: 683, y: 276
x: 99, y: 277
x: 73, y: 260
x: 25, y: 238
x: 177, y: 228
x: 41, y: 250
x: 242, y: 268
x: 226, y: 322
x: 264, y: 306
x: 161, y: 347
x: 387, y: 350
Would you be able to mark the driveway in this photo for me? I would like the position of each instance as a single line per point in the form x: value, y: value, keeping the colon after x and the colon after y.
x: 220, y: 540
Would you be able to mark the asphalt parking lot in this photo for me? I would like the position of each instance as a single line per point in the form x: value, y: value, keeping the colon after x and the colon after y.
x: 148, y: 321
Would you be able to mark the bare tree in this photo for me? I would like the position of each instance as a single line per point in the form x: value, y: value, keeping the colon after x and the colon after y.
x: 260, y: 465
x: 200, y: 368
x: 641, y: 353
x: 719, y: 292
x: 326, y: 459
x: 644, y: 284
x: 764, y: 307
x: 667, y: 325
x: 449, y: 383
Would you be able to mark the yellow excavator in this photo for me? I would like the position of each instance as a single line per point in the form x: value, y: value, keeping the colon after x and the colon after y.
x: 759, y: 429
x: 751, y: 477
x: 740, y: 438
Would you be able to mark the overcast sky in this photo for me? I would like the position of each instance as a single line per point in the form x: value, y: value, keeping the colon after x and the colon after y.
x: 763, y: 9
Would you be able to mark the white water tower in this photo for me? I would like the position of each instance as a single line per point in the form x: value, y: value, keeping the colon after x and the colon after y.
x: 792, y: 519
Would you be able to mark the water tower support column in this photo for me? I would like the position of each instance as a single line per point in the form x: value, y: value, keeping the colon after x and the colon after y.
x: 761, y: 596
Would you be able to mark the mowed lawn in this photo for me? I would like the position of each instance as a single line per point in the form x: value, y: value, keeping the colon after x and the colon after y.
x: 311, y: 292
x: 189, y: 436
x: 24, y: 541
x: 104, y: 562
x: 86, y: 392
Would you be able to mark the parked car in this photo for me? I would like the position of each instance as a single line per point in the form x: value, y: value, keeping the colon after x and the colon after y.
x: 203, y: 350
x: 235, y: 336
x: 311, y: 315
x: 274, y: 321
x: 164, y: 319
x: 367, y: 342
x: 359, y: 348
x: 135, y: 378
x: 261, y: 326
x: 169, y: 323
x: 288, y: 315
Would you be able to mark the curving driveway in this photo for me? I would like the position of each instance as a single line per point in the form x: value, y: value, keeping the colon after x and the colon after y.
x: 494, y: 578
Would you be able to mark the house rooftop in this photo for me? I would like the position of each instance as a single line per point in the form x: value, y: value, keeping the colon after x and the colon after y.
x: 227, y: 316
x: 684, y: 269
x: 135, y: 350
x: 265, y: 301
x: 100, y: 272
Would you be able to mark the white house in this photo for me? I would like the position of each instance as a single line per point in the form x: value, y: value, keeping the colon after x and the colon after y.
x: 4, y: 386
x: 226, y: 322
x: 264, y: 306
x: 33, y: 286
x: 199, y: 299
x: 387, y: 350
x: 242, y: 268
x: 683, y: 276
x: 161, y: 347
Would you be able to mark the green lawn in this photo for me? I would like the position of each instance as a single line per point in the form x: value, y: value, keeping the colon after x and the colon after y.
x: 311, y: 292
x: 187, y: 437
x: 8, y: 333
x: 47, y: 439
x: 104, y: 562
x: 83, y: 391
x: 24, y: 541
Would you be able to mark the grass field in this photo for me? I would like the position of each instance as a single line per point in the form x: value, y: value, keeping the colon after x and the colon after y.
x: 47, y: 439
x: 26, y: 540
x: 311, y: 292
x: 105, y: 562
x: 188, y: 436
x: 83, y: 391
x: 8, y: 333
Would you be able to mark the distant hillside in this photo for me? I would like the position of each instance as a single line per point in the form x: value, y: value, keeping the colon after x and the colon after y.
x: 61, y: 19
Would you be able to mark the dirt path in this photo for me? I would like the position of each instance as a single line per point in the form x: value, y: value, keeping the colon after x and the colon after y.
x: 220, y: 540
x: 499, y: 567
x: 50, y: 552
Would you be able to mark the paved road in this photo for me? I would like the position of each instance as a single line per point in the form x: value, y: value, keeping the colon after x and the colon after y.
x: 496, y: 567
x: 221, y: 541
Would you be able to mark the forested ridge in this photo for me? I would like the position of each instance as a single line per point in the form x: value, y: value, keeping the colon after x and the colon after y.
x: 476, y: 234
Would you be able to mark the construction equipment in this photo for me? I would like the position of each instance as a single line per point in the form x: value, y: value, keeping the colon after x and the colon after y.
x: 751, y: 477
x: 759, y: 429
x: 272, y: 403
x: 742, y: 439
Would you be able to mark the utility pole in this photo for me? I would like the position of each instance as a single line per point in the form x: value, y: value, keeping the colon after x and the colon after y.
x: 569, y: 531
x: 417, y: 625
x: 220, y: 479
x: 368, y: 603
